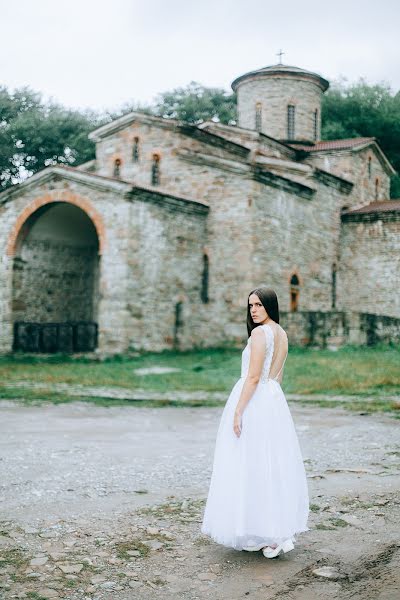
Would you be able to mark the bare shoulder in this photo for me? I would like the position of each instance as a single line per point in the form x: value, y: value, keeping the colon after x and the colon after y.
x: 283, y: 333
x: 281, y: 328
x: 257, y: 333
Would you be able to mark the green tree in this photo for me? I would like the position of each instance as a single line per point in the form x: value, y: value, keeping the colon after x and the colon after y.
x: 362, y: 110
x: 195, y: 104
x: 34, y: 134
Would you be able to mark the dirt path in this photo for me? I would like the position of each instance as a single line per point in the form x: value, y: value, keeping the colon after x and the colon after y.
x: 106, y: 503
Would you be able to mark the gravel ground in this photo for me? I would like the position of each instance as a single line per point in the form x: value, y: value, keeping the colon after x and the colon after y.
x: 106, y: 503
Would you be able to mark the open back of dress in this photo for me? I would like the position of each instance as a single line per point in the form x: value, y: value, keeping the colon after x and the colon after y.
x: 280, y: 352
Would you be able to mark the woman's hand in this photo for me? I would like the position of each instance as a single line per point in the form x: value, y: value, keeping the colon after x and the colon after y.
x: 237, y: 423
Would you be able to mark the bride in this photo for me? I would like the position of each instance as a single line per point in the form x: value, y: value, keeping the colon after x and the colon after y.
x: 258, y: 496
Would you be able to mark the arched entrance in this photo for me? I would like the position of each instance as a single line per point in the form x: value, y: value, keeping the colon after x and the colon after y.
x: 55, y: 281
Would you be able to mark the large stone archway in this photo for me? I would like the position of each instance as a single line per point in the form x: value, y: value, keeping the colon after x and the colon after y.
x: 55, y: 280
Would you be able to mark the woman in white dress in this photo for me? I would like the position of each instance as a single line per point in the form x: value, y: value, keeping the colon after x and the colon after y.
x: 258, y: 495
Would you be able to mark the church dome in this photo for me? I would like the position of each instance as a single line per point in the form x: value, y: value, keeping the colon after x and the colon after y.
x: 281, y: 101
x: 282, y: 71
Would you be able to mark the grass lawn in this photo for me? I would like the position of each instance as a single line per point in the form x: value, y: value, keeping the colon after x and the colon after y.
x: 350, y: 370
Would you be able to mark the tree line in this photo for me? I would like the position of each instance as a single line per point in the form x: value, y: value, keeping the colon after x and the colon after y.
x: 35, y: 133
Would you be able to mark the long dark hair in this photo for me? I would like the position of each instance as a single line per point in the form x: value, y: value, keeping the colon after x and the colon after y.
x: 269, y: 300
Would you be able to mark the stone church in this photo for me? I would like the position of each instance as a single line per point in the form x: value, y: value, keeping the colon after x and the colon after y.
x: 157, y: 242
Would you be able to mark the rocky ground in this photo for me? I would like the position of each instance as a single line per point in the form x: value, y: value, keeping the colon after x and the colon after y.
x: 106, y: 503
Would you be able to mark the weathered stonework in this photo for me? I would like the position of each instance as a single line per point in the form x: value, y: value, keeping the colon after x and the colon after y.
x: 362, y: 167
x: 158, y: 241
x: 270, y: 91
x: 369, y: 266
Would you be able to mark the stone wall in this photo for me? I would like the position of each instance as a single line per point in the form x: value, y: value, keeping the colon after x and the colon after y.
x: 151, y: 259
x: 333, y: 329
x: 213, y: 175
x: 353, y: 166
x: 369, y: 273
x: 275, y: 94
x: 297, y: 236
x: 54, y: 283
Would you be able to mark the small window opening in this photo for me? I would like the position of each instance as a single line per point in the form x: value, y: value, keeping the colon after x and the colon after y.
x: 204, y: 280
x: 155, y: 170
x: 369, y: 167
x: 178, y: 324
x: 291, y: 111
x: 294, y: 293
x: 258, y: 116
x: 315, y: 123
x: 135, y: 150
x: 334, y: 271
x: 117, y: 167
x: 377, y: 189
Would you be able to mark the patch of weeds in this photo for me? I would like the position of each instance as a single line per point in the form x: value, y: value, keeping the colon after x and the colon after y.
x: 4, y: 533
x: 88, y: 568
x: 123, y: 548
x: 189, y: 510
x: 161, y: 537
x: 35, y: 596
x: 331, y: 524
x: 159, y: 581
x: 315, y: 507
x: 349, y: 501
x: 337, y: 522
x: 13, y: 557
x: 71, y: 583
x: 324, y: 526
x: 202, y: 541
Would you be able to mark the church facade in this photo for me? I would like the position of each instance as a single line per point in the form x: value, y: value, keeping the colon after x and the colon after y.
x: 157, y: 242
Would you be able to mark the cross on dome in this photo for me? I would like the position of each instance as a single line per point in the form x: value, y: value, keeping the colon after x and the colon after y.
x: 280, y: 54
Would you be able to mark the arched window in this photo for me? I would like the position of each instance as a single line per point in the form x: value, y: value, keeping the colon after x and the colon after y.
x: 369, y: 167
x: 294, y: 293
x: 155, y: 170
x: 117, y: 167
x: 291, y: 112
x: 334, y: 271
x: 315, y: 124
x: 377, y: 188
x: 204, y: 280
x: 258, y: 116
x: 135, y: 150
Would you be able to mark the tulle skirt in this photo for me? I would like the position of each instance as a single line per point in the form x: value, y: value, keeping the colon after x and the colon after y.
x: 258, y: 491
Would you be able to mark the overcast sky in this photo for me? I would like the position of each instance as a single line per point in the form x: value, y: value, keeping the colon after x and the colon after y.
x: 100, y: 53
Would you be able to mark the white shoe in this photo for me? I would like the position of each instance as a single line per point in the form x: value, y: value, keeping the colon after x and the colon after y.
x: 286, y: 546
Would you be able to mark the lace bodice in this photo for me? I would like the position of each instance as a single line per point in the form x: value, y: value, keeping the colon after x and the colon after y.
x: 269, y: 356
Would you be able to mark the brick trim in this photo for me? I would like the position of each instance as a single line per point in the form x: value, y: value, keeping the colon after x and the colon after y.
x: 60, y: 196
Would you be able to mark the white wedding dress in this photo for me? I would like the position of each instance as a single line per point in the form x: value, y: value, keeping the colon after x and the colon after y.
x: 258, y: 491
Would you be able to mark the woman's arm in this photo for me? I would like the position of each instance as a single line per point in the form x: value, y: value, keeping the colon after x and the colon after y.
x: 257, y: 356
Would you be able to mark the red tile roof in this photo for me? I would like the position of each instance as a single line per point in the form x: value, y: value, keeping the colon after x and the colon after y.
x: 334, y: 144
x: 373, y: 207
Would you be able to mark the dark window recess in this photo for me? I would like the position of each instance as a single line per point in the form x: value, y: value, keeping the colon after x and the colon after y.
x: 376, y: 189
x: 155, y: 170
x: 117, y: 168
x: 258, y: 122
x: 315, y: 116
x: 294, y: 293
x: 369, y: 167
x: 291, y: 113
x: 135, y: 150
x: 334, y: 271
x: 178, y: 323
x: 204, y: 280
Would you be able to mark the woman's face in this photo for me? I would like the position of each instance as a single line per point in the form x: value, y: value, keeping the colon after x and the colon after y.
x: 257, y: 311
